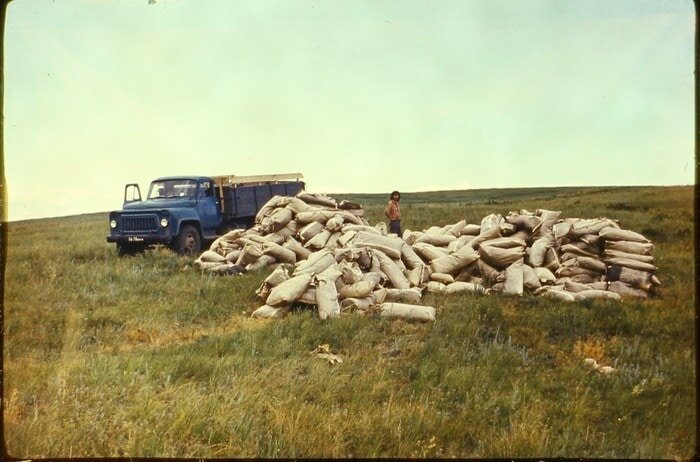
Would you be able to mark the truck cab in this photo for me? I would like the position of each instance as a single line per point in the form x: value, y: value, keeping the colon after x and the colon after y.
x: 178, y: 211
x: 184, y: 211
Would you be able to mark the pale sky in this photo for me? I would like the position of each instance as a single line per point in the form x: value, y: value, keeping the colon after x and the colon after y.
x: 359, y: 96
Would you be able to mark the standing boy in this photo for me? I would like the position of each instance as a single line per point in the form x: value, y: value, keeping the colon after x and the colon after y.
x: 393, y: 212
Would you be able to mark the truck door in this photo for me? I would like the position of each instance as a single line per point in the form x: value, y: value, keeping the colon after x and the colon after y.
x: 208, y: 207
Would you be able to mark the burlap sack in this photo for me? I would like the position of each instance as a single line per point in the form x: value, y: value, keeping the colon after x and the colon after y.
x: 490, y: 222
x: 260, y: 263
x: 410, y: 296
x: 435, y: 230
x: 551, y: 260
x: 471, y: 230
x: 614, y: 234
x: 318, y: 199
x: 632, y: 277
x: 278, y: 237
x: 357, y: 290
x: 567, y: 271
x: 280, y: 218
x: 358, y: 228
x: 631, y: 263
x: 280, y: 253
x: 356, y: 304
x: 456, y: 229
x: 405, y: 311
x: 539, y: 249
x: 376, y: 279
x: 592, y: 264
x: 207, y: 265
x: 632, y: 256
x: 409, y: 257
x: 596, y: 294
x: 296, y: 205
x: 429, y: 252
x: 459, y: 286
x: 488, y: 272
x: 353, y: 217
x: 315, y: 215
x: 348, y: 205
x: 492, y: 233
x: 584, y: 278
x: 393, y: 273
x: 640, y: 248
x: 301, y: 252
x: 547, y: 218
x: 513, y: 284
x: 335, y: 224
x: 455, y: 262
x: 287, y: 292
x: 442, y: 277
x: 500, y: 258
x: 315, y: 263
x: 418, y: 276
x: 438, y: 240
x: 211, y: 256
x: 319, y: 241
x: 574, y: 287
x: 270, y: 312
x: 309, y: 231
x: 626, y: 291
x: 233, y: 255
x: 350, y: 272
x: 346, y: 237
x: 251, y: 252
x: 332, y: 242
x: 327, y: 298
x: 559, y: 295
x: 530, y: 279
x: 527, y: 222
x: 505, y: 243
x: 458, y: 243
x: 389, y: 245
x: 273, y: 203
x: 308, y: 297
x: 544, y: 275
x: 435, y: 287
x: 571, y: 248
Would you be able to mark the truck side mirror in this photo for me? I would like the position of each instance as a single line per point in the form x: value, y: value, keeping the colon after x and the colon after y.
x: 132, y: 193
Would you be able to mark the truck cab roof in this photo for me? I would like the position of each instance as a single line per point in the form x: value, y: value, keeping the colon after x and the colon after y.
x: 184, y: 177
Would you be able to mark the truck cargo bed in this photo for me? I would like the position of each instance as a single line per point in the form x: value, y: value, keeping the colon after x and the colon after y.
x: 245, y: 200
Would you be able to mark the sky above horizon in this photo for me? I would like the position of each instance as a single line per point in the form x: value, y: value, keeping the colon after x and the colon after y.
x: 361, y: 96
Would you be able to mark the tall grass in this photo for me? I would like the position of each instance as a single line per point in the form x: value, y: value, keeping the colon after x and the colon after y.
x: 144, y: 356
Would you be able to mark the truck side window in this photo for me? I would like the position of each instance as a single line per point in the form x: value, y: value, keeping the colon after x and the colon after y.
x: 206, y: 189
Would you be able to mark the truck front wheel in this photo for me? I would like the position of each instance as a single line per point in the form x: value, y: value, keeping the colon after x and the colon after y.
x: 189, y: 242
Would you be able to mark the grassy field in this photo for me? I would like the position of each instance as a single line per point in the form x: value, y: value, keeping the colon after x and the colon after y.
x: 143, y: 356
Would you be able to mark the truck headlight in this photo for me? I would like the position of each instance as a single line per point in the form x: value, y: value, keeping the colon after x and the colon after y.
x: 113, y: 224
x: 164, y: 222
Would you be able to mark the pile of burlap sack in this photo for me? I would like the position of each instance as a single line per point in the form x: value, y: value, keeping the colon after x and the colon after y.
x: 330, y: 258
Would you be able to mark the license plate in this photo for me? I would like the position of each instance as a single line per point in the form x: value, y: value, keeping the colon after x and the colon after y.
x: 135, y: 239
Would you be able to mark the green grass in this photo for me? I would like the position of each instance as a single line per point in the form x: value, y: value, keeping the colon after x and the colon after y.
x: 143, y: 356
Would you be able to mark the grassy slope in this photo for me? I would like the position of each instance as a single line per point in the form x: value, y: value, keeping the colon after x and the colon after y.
x: 143, y: 357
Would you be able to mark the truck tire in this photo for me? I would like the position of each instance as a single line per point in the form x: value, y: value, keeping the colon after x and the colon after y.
x: 189, y: 242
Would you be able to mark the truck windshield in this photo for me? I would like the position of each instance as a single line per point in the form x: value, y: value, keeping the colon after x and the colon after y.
x: 172, y: 188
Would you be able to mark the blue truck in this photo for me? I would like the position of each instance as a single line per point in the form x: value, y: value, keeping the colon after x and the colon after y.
x: 184, y: 212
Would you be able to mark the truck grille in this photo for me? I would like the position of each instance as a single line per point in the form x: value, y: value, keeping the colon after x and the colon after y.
x: 139, y: 223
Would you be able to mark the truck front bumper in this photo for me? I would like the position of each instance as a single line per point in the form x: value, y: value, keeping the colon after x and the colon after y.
x: 143, y: 239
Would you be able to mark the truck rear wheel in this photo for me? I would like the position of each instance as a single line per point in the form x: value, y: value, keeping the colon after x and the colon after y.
x: 189, y: 242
